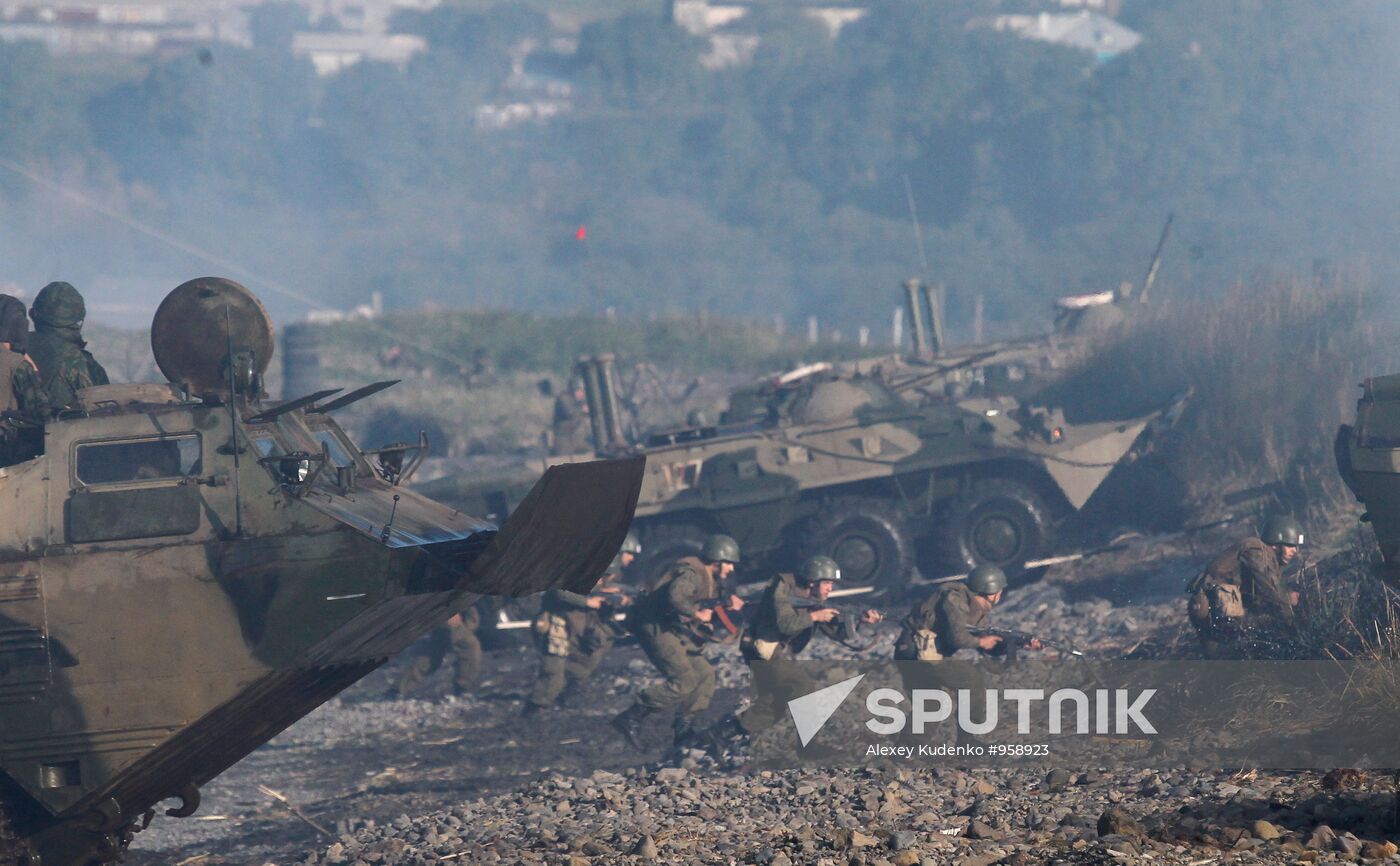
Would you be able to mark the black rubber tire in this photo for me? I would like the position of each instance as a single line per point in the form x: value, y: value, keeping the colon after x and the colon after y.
x: 662, y: 545
x: 13, y: 850
x: 868, y: 538
x: 998, y: 522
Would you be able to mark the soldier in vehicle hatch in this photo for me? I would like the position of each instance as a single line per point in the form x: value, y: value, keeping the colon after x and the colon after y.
x: 575, y: 632
x: 1238, y: 604
x: 569, y: 425
x: 458, y: 638
x: 24, y: 407
x: 672, y: 622
x: 57, y: 347
x: 781, y: 625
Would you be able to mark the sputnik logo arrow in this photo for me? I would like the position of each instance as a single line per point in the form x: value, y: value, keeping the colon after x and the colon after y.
x: 813, y: 710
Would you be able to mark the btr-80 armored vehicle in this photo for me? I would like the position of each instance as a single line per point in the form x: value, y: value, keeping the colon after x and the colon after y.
x: 1368, y: 456
x: 849, y: 465
x: 188, y: 570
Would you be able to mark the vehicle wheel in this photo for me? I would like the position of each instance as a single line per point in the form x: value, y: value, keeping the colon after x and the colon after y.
x: 868, y: 538
x: 662, y: 545
x: 997, y: 522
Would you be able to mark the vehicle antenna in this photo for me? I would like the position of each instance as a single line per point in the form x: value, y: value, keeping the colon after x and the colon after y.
x: 918, y: 229
x: 384, y: 536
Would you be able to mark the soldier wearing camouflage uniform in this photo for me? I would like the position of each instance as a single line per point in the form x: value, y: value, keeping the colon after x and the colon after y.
x: 777, y: 633
x: 672, y: 625
x: 24, y: 407
x: 57, y: 347
x: 458, y: 638
x: 569, y: 425
x: 1238, y: 604
x: 938, y: 629
x: 575, y: 632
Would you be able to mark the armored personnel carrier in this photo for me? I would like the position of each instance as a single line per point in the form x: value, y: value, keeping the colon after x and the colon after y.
x: 875, y: 474
x: 188, y: 570
x: 1368, y: 457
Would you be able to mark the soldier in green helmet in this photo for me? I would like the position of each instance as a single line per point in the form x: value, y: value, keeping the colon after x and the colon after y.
x: 576, y: 631
x: 1239, y: 605
x: 57, y: 347
x: 937, y: 628
x: 778, y: 631
x: 24, y: 407
x: 673, y: 621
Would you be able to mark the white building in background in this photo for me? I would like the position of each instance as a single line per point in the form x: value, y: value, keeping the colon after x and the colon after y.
x: 1085, y: 30
x: 144, y: 27
x: 332, y: 52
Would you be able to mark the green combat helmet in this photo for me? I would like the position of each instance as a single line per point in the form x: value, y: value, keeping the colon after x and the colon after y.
x: 58, y: 305
x: 720, y: 548
x: 1282, y: 529
x: 819, y: 568
x: 631, y: 544
x: 986, y: 580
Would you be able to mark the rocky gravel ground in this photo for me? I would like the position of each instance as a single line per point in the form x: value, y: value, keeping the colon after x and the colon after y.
x: 383, y: 783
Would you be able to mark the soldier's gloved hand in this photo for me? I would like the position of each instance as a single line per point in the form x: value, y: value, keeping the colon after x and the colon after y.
x: 872, y: 616
x: 825, y: 614
x: 988, y: 642
x: 594, y: 602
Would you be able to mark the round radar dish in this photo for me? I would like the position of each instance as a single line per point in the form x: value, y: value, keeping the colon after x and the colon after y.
x: 194, y: 327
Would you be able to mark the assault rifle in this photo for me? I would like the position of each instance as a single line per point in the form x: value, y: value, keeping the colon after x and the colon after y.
x: 1014, y: 641
x: 842, y: 629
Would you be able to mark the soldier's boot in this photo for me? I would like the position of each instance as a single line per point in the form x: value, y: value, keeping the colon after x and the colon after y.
x: 683, y: 731
x: 628, y: 723
x: 722, y: 736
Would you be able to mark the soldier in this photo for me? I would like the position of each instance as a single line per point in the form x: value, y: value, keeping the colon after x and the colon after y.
x: 672, y: 621
x: 24, y: 407
x: 777, y: 633
x: 458, y: 636
x: 937, y: 628
x: 576, y: 631
x: 1239, y: 602
x: 570, y: 423
x: 57, y: 347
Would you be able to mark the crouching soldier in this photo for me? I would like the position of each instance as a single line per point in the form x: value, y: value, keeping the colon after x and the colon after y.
x: 575, y: 632
x: 939, y: 628
x: 1238, y: 604
x: 672, y: 622
x: 780, y: 627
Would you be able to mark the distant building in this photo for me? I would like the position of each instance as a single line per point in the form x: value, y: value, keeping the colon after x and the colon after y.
x: 1087, y: 31
x: 332, y: 52
x: 731, y: 47
x: 358, y: 29
x: 129, y: 27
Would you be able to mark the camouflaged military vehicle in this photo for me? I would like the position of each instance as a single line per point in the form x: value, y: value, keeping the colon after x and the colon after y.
x: 187, y: 570
x: 1368, y: 457
x: 876, y: 475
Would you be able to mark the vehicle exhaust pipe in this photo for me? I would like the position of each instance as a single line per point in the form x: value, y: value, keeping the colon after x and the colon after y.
x: 933, y: 298
x: 918, y: 327
x: 599, y: 376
